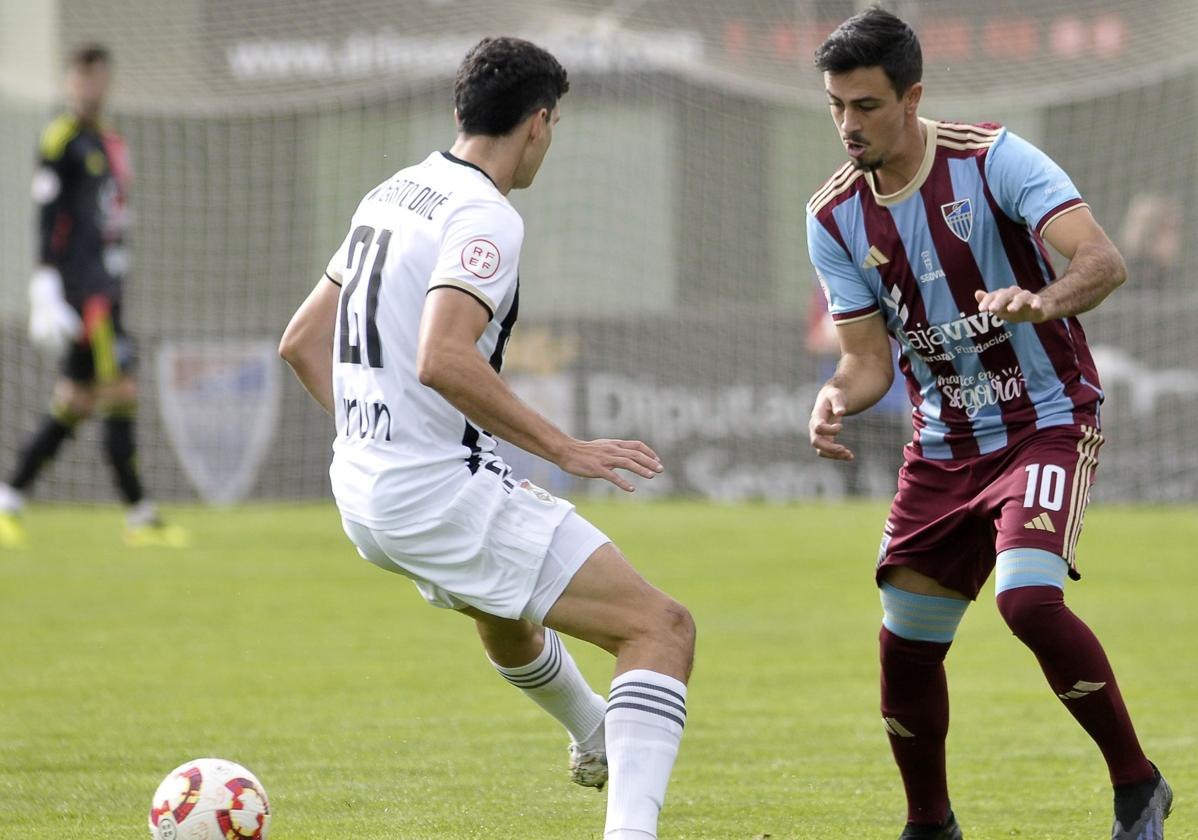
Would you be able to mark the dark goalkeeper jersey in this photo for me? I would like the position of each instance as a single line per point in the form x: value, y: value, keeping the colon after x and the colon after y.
x: 81, y: 190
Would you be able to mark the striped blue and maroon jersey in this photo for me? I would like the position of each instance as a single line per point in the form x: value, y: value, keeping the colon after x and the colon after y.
x: 972, y: 218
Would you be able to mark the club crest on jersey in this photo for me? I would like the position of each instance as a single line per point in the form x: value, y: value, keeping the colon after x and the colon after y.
x: 958, y: 215
x: 541, y: 495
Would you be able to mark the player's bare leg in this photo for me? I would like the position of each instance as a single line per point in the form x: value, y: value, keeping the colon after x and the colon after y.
x: 610, y: 605
x: 921, y: 617
x: 535, y: 660
x: 652, y: 637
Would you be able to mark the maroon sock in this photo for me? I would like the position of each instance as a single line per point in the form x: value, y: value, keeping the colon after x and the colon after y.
x: 1079, y: 673
x: 915, y: 711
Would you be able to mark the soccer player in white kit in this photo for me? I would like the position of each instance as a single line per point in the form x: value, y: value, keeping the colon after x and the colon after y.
x: 402, y: 341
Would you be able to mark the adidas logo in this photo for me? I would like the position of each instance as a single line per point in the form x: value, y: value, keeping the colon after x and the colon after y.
x: 1041, y: 523
x: 895, y: 728
x: 1081, y: 688
x: 875, y: 258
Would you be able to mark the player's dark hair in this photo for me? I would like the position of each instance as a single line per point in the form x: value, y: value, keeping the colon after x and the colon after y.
x: 502, y: 81
x: 86, y: 55
x: 874, y: 38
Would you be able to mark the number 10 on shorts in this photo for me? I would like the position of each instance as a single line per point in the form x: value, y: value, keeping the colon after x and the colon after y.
x: 1051, y: 483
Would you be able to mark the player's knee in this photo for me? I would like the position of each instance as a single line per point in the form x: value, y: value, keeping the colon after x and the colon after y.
x: 65, y: 413
x: 664, y: 622
x: 683, y: 624
x: 1030, y: 587
x: 123, y: 392
x: 1017, y: 611
x: 73, y: 401
x: 508, y: 643
x: 675, y: 624
x: 120, y: 409
x: 898, y: 654
x: 1026, y: 608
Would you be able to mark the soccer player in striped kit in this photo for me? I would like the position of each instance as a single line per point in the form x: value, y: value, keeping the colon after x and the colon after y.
x: 934, y: 233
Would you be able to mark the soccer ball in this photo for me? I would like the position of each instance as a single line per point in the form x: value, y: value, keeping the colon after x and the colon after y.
x: 210, y: 799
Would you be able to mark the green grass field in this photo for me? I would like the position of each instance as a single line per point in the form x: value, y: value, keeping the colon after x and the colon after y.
x: 369, y: 715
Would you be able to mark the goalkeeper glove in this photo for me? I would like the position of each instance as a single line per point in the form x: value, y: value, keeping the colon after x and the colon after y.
x: 53, y: 324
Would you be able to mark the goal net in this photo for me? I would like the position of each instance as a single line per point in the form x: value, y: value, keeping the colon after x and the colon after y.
x: 667, y: 290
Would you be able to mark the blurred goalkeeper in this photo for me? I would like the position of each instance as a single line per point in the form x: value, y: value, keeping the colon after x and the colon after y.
x: 80, y: 189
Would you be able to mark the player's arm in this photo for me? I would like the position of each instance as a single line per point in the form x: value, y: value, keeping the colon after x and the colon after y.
x: 49, y: 182
x: 307, y: 343
x: 1029, y: 186
x: 53, y: 323
x: 863, y: 375
x: 866, y: 367
x: 1095, y: 270
x: 448, y: 361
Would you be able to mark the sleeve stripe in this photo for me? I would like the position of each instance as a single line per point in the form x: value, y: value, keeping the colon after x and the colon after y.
x: 855, y: 315
x: 1058, y: 211
x: 461, y: 286
x: 332, y: 279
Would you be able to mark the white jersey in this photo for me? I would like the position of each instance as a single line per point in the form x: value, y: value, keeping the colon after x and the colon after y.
x: 400, y: 444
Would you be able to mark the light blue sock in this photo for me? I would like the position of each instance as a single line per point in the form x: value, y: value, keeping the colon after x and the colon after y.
x: 1018, y: 567
x: 921, y: 618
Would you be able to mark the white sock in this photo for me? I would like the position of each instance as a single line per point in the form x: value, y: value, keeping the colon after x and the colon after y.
x: 554, y: 683
x: 11, y: 501
x: 646, y: 712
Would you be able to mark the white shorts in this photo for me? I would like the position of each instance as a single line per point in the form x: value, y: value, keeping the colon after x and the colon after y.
x: 506, y: 548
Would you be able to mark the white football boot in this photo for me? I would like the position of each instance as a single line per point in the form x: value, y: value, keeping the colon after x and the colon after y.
x: 588, y: 761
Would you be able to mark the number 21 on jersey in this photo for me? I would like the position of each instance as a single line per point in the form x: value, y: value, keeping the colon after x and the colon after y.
x: 363, y: 346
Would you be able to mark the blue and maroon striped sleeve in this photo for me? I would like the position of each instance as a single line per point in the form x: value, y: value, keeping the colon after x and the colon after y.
x: 1027, y: 184
x: 850, y: 298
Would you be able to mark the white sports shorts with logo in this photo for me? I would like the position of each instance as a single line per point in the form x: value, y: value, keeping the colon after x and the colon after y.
x: 505, y: 547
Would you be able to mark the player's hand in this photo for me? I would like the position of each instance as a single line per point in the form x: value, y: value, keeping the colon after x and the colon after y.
x: 827, y: 421
x: 1013, y: 304
x: 53, y: 324
x: 601, y: 459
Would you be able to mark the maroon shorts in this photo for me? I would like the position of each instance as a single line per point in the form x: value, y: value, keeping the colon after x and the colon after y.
x: 951, y: 518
